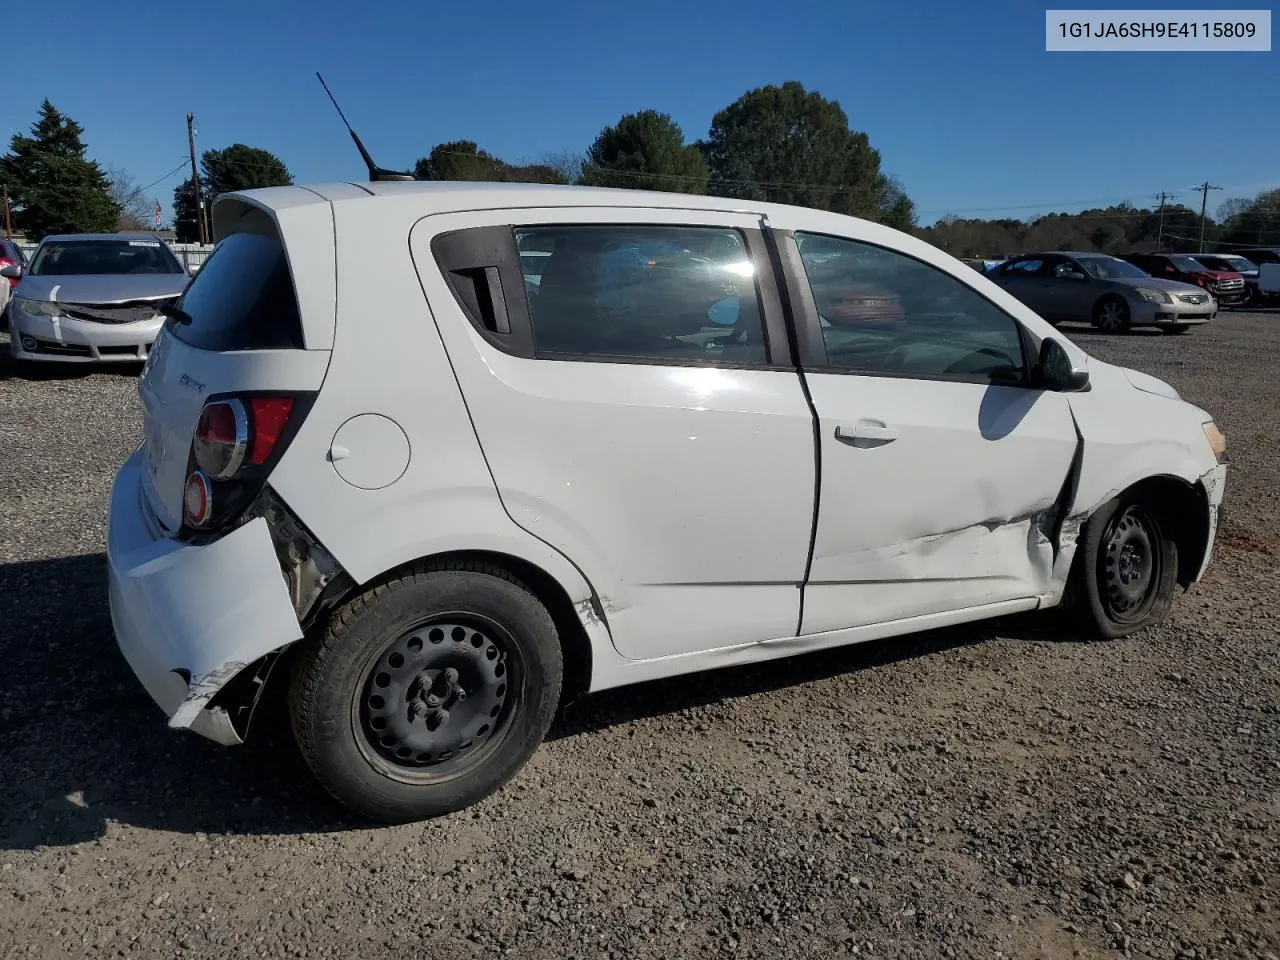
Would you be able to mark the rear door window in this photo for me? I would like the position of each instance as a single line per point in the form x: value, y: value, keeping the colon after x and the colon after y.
x: 656, y: 293
x: 242, y: 299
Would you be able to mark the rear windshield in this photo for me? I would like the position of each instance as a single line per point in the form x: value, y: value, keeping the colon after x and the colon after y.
x: 242, y: 298
x: 67, y: 258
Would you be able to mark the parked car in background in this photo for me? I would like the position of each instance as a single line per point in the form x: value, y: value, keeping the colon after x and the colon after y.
x: 454, y: 503
x: 92, y: 297
x: 1227, y: 286
x: 1110, y: 293
x: 11, y: 255
x: 1232, y: 263
x: 1267, y: 259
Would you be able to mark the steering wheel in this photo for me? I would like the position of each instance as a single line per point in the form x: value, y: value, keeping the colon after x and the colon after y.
x: 895, y: 358
x: 1000, y: 355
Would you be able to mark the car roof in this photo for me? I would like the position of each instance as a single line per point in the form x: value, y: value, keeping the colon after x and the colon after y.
x: 72, y: 237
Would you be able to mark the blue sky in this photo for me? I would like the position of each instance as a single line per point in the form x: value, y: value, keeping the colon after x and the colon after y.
x: 961, y: 99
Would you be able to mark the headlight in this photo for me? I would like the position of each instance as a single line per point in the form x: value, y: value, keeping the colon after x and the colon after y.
x: 1152, y: 296
x: 1217, y: 441
x: 37, y: 308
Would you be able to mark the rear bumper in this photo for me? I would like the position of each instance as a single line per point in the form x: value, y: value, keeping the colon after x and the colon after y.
x: 188, y: 619
x: 65, y: 340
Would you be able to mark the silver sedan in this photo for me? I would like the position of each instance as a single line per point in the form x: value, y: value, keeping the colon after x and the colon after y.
x: 1108, y: 292
x: 93, y: 297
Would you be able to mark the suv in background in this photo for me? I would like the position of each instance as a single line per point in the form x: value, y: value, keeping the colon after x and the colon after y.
x: 1227, y: 286
x: 1268, y: 261
x: 1232, y: 262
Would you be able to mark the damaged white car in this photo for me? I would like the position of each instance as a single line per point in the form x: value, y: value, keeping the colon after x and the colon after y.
x: 462, y: 451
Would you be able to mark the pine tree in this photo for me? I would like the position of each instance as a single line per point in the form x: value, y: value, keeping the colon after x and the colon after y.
x: 53, y: 188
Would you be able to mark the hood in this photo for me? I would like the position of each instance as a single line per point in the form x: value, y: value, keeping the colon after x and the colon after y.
x: 1158, y: 283
x: 1217, y: 276
x: 1149, y: 384
x: 103, y: 288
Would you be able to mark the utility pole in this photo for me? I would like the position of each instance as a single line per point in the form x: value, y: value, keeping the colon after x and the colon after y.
x: 1204, y: 189
x: 1162, y: 197
x: 195, y: 176
x: 8, y: 226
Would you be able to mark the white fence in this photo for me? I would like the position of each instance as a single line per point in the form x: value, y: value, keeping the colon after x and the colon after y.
x: 190, y: 254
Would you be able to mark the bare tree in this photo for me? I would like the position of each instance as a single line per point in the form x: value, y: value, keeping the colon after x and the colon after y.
x: 567, y: 163
x: 135, y: 207
x: 1232, y: 208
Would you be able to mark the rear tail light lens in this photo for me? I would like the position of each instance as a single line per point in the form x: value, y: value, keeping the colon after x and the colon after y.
x: 197, y: 499
x: 221, y: 439
x: 270, y: 417
x: 235, y: 442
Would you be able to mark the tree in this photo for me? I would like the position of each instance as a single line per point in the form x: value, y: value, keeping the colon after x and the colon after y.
x: 136, y: 208
x: 646, y: 151
x: 53, y: 187
x: 237, y: 167
x: 463, y: 160
x: 459, y: 160
x: 789, y: 145
x: 1257, y: 224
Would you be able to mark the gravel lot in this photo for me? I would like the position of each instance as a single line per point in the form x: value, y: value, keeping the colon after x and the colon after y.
x: 997, y: 790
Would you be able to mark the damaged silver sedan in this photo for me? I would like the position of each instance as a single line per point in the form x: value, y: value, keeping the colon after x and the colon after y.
x: 91, y: 297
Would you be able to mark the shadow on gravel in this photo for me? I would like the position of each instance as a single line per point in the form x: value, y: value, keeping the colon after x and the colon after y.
x: 81, y: 744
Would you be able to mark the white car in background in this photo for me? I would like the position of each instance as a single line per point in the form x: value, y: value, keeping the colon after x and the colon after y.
x: 90, y: 297
x: 451, y: 501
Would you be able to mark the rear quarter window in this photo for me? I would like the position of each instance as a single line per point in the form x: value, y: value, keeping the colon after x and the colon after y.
x: 242, y: 299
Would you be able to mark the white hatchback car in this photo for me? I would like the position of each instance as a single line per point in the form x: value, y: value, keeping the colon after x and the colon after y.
x: 465, y: 450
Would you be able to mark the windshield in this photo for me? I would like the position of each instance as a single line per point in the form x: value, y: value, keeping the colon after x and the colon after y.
x: 67, y: 258
x: 1238, y: 264
x: 1111, y: 268
x: 1188, y: 264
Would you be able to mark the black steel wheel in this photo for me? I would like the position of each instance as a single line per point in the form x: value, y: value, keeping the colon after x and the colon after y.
x: 1125, y: 569
x: 427, y: 693
x: 439, y: 699
x: 1130, y: 567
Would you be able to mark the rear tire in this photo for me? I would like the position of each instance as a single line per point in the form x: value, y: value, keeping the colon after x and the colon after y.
x: 428, y: 693
x: 1111, y: 315
x: 1125, y: 570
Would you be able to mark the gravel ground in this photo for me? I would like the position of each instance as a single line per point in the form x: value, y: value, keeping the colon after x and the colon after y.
x: 997, y: 790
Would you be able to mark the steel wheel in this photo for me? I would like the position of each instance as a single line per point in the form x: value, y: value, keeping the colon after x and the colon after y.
x: 438, y: 700
x: 1131, y: 565
x: 1113, y: 315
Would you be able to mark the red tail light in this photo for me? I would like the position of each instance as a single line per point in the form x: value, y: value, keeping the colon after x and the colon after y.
x: 270, y: 415
x: 234, y: 443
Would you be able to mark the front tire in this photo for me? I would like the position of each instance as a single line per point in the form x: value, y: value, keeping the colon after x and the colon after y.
x: 1111, y: 315
x: 428, y: 693
x: 1125, y: 570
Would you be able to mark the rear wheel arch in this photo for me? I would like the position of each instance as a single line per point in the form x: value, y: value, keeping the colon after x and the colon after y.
x: 575, y: 645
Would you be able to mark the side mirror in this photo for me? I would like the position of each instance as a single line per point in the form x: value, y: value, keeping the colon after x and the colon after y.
x: 11, y: 272
x: 724, y: 312
x: 1055, y: 372
x: 1072, y: 275
x: 193, y: 269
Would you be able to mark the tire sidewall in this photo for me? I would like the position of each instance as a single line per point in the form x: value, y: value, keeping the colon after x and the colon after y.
x: 325, y: 686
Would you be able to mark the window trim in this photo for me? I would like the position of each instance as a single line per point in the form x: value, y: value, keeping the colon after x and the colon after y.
x: 813, y: 347
x: 522, y: 340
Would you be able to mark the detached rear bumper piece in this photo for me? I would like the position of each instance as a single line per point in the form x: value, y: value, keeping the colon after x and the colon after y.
x: 189, y: 619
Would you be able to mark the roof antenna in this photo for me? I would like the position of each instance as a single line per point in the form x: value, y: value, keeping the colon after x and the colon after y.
x: 376, y: 173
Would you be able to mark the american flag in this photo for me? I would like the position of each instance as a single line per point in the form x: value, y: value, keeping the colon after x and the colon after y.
x: 158, y: 214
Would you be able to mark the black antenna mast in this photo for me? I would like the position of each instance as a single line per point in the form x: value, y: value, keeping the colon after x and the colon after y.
x: 376, y: 172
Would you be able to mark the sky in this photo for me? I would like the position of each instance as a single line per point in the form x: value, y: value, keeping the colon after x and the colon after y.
x: 962, y: 101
